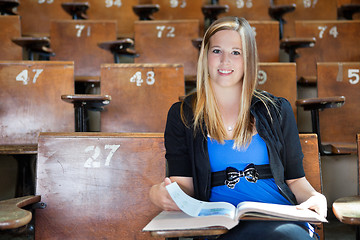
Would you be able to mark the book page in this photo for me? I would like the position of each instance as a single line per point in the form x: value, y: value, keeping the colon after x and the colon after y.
x: 195, y: 208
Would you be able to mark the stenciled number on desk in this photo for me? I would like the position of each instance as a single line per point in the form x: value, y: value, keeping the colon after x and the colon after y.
x: 353, y: 75
x: 309, y: 3
x: 262, y: 77
x: 93, y: 162
x: 243, y: 3
x: 110, y: 3
x: 333, y: 31
x: 176, y: 3
x: 45, y: 1
x: 165, y: 31
x: 23, y: 76
x: 80, y: 29
x: 137, y: 78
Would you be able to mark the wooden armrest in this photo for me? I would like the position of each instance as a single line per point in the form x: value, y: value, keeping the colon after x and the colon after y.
x: 342, y: 148
x: 348, y: 10
x: 212, y: 11
x: 197, y: 43
x: 347, y: 210
x: 88, y: 100
x: 7, y: 7
x: 145, y: 11
x: 35, y: 44
x: 321, y: 103
x: 307, y: 81
x: 76, y: 9
x: 291, y: 44
x: 211, y: 231
x: 11, y: 214
x: 277, y: 11
x: 119, y: 47
x: 18, y: 149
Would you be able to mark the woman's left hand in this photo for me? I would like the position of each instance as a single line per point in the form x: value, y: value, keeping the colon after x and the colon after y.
x: 317, y: 203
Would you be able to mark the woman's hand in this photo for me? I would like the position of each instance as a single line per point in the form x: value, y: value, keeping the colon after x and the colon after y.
x: 161, y: 198
x: 317, y: 203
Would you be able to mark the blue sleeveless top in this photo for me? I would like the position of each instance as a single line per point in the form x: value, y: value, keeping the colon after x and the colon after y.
x: 223, y: 156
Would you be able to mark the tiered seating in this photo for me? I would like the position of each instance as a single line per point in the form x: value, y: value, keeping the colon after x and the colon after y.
x: 141, y: 95
x: 10, y: 28
x: 249, y: 9
x: 96, y: 185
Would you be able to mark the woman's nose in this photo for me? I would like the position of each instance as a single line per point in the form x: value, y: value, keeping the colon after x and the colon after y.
x: 225, y: 58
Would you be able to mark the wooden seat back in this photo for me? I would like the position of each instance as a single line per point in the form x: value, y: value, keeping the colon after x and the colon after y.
x: 336, y: 41
x: 307, y: 10
x: 267, y: 40
x: 141, y: 95
x: 279, y: 79
x: 96, y: 185
x: 37, y: 15
x: 31, y: 99
x: 10, y: 28
x: 340, y: 125
x: 167, y: 41
x: 77, y: 40
x: 118, y: 10
x: 249, y: 9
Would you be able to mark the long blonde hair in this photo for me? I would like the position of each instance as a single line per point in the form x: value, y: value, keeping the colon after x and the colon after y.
x: 205, y: 107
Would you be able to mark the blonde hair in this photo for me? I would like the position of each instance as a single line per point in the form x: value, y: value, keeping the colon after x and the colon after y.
x: 205, y: 108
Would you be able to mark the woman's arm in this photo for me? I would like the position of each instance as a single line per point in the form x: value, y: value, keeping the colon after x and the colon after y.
x: 307, y: 196
x: 160, y: 196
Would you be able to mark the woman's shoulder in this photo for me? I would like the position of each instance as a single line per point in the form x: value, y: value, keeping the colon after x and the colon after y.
x: 268, y: 98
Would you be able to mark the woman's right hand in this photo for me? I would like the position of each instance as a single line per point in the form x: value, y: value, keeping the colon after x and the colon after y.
x: 161, y: 198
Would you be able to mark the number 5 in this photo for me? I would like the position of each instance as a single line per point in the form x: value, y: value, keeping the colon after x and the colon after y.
x: 353, y: 73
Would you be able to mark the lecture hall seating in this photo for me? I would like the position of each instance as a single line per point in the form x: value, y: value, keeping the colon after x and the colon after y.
x: 96, y: 185
x: 141, y: 95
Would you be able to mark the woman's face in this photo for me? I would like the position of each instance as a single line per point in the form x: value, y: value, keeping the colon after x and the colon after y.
x: 225, y: 59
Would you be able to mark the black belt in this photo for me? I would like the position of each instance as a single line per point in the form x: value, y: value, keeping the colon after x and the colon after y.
x: 231, y: 176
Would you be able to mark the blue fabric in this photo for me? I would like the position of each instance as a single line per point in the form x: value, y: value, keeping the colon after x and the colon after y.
x: 224, y: 155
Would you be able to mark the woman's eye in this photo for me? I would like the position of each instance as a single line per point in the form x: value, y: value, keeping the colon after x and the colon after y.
x: 236, y: 53
x: 216, y: 51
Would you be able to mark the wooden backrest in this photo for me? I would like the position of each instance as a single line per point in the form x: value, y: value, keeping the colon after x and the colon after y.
x: 307, y: 10
x: 76, y: 40
x: 249, y: 9
x: 340, y: 79
x: 119, y: 10
x: 267, y: 40
x: 31, y: 99
x: 141, y: 95
x: 37, y: 14
x: 358, y: 152
x: 180, y: 9
x: 336, y: 41
x: 96, y: 185
x: 10, y: 28
x: 279, y: 79
x: 167, y: 41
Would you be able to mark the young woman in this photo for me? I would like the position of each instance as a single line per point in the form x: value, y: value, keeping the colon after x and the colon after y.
x: 228, y: 123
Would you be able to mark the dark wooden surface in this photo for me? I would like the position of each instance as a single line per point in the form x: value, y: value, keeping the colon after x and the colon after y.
x: 70, y: 43
x: 11, y: 214
x: 347, y: 210
x: 138, y: 106
x: 34, y: 105
x: 10, y: 28
x: 327, y: 47
x: 340, y: 125
x: 172, y: 45
x: 90, y: 197
x: 249, y: 9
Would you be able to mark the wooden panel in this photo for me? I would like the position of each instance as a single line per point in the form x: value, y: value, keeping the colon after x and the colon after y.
x: 167, y: 42
x: 249, y: 9
x: 10, y: 28
x: 76, y: 40
x: 336, y: 41
x: 141, y: 95
x: 30, y: 96
x: 307, y: 10
x: 267, y: 40
x: 37, y: 14
x: 340, y: 79
x: 180, y: 9
x: 279, y: 79
x: 118, y: 10
x: 96, y: 185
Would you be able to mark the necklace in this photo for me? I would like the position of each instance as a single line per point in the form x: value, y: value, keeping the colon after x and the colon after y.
x: 229, y: 128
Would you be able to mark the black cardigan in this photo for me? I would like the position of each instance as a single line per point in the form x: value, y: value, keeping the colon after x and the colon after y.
x: 187, y: 155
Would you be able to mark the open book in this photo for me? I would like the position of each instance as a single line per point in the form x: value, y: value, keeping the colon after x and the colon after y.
x: 197, y: 214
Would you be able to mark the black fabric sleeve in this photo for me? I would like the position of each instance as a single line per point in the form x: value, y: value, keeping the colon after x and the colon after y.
x: 292, y: 147
x: 177, y: 150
